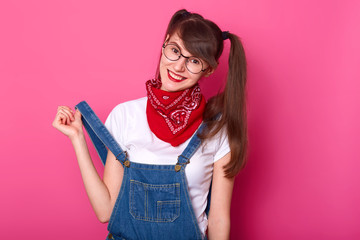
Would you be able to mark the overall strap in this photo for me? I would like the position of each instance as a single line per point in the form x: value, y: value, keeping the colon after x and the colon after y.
x: 184, y: 159
x: 99, y: 135
x: 189, y: 151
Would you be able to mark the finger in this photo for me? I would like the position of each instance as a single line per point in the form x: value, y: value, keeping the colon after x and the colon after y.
x: 71, y: 114
x: 77, y: 113
x: 61, y: 124
x: 61, y: 118
x: 64, y: 119
x: 67, y: 113
x: 66, y: 108
x: 64, y: 116
x: 70, y: 110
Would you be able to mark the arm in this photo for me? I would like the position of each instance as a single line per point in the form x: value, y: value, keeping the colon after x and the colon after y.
x: 102, y: 193
x: 219, y: 215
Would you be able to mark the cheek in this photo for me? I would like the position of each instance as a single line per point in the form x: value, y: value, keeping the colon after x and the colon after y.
x: 163, y: 62
x: 163, y: 68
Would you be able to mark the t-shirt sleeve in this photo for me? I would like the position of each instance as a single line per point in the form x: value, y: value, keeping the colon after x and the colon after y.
x: 115, y: 126
x: 224, y: 147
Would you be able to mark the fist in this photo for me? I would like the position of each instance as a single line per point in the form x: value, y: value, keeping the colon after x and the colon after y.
x: 68, y: 122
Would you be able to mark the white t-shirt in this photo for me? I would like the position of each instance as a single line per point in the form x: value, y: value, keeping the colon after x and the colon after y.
x: 128, y: 124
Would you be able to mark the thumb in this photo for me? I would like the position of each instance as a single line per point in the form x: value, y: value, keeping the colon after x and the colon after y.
x: 77, y: 114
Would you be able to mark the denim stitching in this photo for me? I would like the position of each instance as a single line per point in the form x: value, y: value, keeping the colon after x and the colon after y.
x: 145, y: 201
x: 171, y: 167
x: 156, y: 185
x: 177, y: 203
x: 160, y: 220
x: 158, y: 210
x: 146, y: 187
x: 95, y: 134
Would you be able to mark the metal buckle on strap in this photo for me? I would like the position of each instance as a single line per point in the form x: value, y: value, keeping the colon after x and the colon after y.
x: 178, y: 164
x: 126, y: 162
x: 177, y: 167
x: 188, y: 160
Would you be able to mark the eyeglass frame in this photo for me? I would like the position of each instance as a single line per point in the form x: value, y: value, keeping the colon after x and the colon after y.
x: 181, y: 55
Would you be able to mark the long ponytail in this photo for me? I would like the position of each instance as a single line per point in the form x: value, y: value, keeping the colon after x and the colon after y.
x: 230, y: 105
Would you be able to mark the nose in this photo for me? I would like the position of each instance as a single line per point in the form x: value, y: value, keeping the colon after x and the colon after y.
x: 179, y: 65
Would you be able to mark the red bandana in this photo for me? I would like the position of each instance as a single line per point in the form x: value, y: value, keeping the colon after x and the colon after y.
x: 174, y: 116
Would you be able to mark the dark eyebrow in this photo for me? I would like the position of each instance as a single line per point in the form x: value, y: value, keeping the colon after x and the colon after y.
x: 174, y: 43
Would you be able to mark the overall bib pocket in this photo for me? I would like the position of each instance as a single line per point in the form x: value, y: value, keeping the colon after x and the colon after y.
x: 154, y: 202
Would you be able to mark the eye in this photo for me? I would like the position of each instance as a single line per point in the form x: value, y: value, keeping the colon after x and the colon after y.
x: 195, y: 61
x: 175, y: 50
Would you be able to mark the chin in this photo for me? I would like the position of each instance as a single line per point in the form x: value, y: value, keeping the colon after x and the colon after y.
x: 168, y: 87
x: 173, y: 86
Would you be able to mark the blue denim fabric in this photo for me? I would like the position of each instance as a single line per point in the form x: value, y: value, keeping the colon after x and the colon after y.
x: 153, y: 202
x: 98, y: 133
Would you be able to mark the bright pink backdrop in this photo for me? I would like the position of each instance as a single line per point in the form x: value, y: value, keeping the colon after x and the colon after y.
x: 302, y: 178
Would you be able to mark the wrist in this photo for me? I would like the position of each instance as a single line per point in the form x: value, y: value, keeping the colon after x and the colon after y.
x: 77, y: 137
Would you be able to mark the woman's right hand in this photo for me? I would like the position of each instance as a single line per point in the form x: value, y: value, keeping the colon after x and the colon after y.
x: 68, y: 122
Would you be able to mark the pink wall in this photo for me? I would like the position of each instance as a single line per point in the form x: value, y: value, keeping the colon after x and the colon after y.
x: 302, y: 179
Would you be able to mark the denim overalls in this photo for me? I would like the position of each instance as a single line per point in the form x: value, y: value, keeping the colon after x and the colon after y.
x: 153, y: 201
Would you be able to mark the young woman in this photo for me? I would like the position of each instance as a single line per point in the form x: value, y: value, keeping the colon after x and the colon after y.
x: 176, y: 149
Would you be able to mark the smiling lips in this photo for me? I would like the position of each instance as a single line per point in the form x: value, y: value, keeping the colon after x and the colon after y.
x: 174, y: 77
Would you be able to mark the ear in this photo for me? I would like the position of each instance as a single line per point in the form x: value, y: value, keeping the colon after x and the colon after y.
x: 209, y: 72
x: 167, y: 38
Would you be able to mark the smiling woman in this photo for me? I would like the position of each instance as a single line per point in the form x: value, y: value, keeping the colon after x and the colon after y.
x: 178, y: 69
x: 170, y: 151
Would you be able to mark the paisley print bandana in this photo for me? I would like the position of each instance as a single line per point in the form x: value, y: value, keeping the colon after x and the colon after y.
x: 174, y: 116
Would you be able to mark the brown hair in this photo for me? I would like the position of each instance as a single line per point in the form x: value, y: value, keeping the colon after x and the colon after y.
x: 204, y: 39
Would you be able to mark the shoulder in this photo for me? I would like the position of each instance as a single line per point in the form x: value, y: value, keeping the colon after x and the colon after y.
x: 219, y: 144
x: 125, y: 118
x: 220, y: 136
x: 127, y: 110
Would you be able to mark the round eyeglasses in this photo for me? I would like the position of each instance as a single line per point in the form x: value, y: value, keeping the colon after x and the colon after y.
x: 173, y: 53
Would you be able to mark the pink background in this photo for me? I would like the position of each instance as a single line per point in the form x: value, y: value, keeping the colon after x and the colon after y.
x: 302, y: 178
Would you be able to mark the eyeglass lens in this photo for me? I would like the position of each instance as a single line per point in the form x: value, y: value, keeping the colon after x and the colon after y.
x: 173, y: 53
